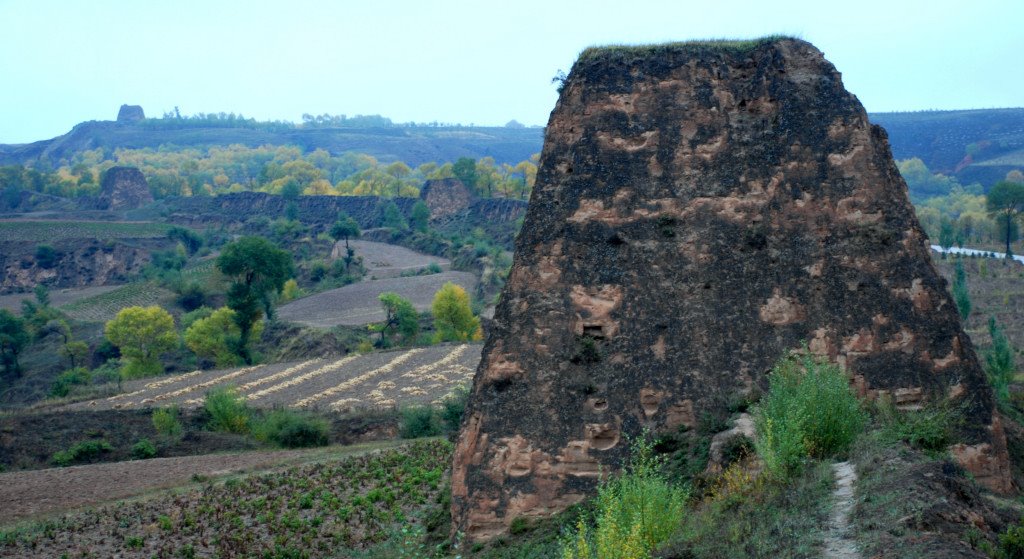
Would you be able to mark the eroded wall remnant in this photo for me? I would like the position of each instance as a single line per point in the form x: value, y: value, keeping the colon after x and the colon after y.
x: 700, y: 209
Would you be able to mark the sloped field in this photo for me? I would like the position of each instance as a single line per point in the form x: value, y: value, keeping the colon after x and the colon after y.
x: 105, y: 305
x: 384, y: 379
x: 51, y: 231
x: 383, y: 260
x: 357, y: 304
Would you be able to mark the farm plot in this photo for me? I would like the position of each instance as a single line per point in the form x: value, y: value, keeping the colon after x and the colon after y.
x: 58, y: 297
x: 51, y: 231
x: 357, y: 304
x: 384, y: 379
x: 383, y: 260
x: 105, y: 305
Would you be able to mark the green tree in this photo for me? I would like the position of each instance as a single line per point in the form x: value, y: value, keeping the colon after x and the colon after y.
x: 999, y: 362
x: 1005, y: 202
x: 961, y: 296
x: 420, y: 216
x: 13, y: 339
x: 258, y: 269
x: 465, y: 170
x: 401, y: 318
x: 46, y: 256
x: 391, y: 217
x: 216, y: 337
x: 346, y: 228
x: 946, y: 236
x: 142, y: 334
x: 453, y: 315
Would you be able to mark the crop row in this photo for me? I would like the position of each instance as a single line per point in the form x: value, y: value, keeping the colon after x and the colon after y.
x: 51, y: 231
x: 105, y: 306
x: 310, y: 510
x: 376, y: 379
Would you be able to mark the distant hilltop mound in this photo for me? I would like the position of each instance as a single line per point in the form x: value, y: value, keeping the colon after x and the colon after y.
x: 130, y: 113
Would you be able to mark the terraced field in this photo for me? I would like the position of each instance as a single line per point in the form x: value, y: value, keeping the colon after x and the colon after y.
x: 105, y: 305
x: 52, y: 231
x: 384, y: 379
x: 59, y: 297
x: 383, y: 260
x: 357, y: 304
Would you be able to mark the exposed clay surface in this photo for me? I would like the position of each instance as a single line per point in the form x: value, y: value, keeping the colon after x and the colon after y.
x: 699, y: 211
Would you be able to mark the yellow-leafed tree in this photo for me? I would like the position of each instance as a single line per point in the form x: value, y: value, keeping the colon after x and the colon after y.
x: 142, y: 334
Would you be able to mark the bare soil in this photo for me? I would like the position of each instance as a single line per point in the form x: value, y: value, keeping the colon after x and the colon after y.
x: 383, y: 260
x: 357, y: 304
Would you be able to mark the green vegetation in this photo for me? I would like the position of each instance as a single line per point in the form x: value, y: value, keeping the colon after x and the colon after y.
x: 401, y: 319
x: 929, y: 429
x: 142, y: 334
x: 999, y: 364
x: 635, y: 512
x: 453, y: 315
x: 143, y: 450
x: 961, y: 296
x: 166, y: 422
x: 66, y: 381
x: 290, y: 429
x: 13, y: 339
x: 629, y: 52
x: 337, y: 506
x: 258, y: 269
x: 216, y: 337
x: 1005, y: 202
x: 84, y: 451
x: 809, y: 411
x: 227, y: 411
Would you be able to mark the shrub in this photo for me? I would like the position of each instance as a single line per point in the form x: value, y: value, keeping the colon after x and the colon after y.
x: 228, y: 412
x: 68, y: 379
x: 930, y: 428
x: 635, y: 512
x: 46, y: 256
x: 291, y: 429
x: 143, y: 450
x: 419, y: 421
x: 809, y: 410
x: 166, y: 422
x: 81, y: 452
x: 453, y: 407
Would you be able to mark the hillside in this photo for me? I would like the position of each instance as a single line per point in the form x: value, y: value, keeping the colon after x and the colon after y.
x: 413, y: 145
x: 976, y: 146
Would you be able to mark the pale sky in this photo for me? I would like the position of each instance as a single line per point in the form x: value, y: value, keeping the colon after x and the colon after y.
x: 479, y: 62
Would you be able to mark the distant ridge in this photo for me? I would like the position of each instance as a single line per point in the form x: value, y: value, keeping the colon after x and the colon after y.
x: 978, y: 145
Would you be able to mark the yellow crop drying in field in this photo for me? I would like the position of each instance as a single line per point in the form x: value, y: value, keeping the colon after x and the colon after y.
x: 348, y: 384
x: 277, y: 376
x: 303, y: 378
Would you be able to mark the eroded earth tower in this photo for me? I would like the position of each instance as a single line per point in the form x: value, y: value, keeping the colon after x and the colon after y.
x: 701, y: 209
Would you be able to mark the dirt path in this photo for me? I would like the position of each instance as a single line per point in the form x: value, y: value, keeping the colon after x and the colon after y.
x: 839, y: 542
x: 26, y: 495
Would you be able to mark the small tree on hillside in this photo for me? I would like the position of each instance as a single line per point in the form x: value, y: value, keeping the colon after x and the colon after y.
x: 1005, y: 202
x: 961, y: 296
x: 346, y: 228
x: 401, y: 318
x: 216, y: 337
x: 13, y: 338
x: 453, y: 315
x: 142, y: 334
x: 420, y: 216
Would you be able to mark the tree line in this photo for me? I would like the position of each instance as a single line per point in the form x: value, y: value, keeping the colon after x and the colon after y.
x: 284, y: 170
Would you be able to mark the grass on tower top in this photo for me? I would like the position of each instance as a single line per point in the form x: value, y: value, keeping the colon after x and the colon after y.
x: 731, y: 46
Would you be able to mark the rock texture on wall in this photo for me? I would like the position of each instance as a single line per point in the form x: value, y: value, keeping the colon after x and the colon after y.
x: 701, y: 209
x: 124, y: 188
